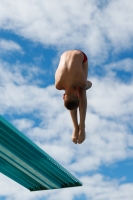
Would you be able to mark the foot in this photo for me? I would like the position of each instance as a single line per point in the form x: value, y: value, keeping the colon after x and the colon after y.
x: 75, y: 135
x: 81, y: 136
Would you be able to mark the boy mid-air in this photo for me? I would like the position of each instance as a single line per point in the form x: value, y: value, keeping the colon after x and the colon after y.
x: 71, y: 76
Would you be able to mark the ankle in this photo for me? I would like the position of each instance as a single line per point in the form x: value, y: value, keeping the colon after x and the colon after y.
x: 82, y: 127
x: 76, y: 127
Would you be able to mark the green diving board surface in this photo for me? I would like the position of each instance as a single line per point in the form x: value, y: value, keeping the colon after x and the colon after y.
x: 27, y: 164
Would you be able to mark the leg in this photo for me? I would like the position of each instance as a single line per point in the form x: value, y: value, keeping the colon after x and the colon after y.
x: 85, y: 69
x: 82, y: 113
x: 75, y: 125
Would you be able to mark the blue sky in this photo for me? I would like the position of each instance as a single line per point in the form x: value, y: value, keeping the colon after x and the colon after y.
x: 33, y: 35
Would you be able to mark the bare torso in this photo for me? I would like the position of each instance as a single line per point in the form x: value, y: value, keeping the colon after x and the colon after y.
x: 70, y: 71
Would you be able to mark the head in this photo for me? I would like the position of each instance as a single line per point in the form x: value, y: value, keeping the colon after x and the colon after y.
x: 71, y: 102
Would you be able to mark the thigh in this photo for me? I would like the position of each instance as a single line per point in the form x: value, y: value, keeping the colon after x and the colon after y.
x: 85, y: 68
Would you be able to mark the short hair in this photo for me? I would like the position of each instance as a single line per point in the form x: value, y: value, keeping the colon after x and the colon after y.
x: 71, y: 102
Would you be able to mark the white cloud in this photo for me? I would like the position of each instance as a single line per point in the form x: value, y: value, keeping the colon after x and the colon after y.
x: 95, y: 187
x: 9, y: 46
x: 19, y: 74
x: 99, y: 187
x: 114, y: 98
x: 64, y: 154
x: 23, y: 124
x: 124, y: 65
x: 98, y: 28
x: 117, y: 24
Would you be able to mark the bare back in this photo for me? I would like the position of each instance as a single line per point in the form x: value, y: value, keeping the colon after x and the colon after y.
x: 70, y: 71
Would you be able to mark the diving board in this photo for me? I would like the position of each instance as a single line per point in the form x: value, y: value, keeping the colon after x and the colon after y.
x: 27, y: 164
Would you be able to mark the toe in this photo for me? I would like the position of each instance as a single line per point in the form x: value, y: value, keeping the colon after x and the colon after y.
x: 74, y: 140
x: 80, y: 140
